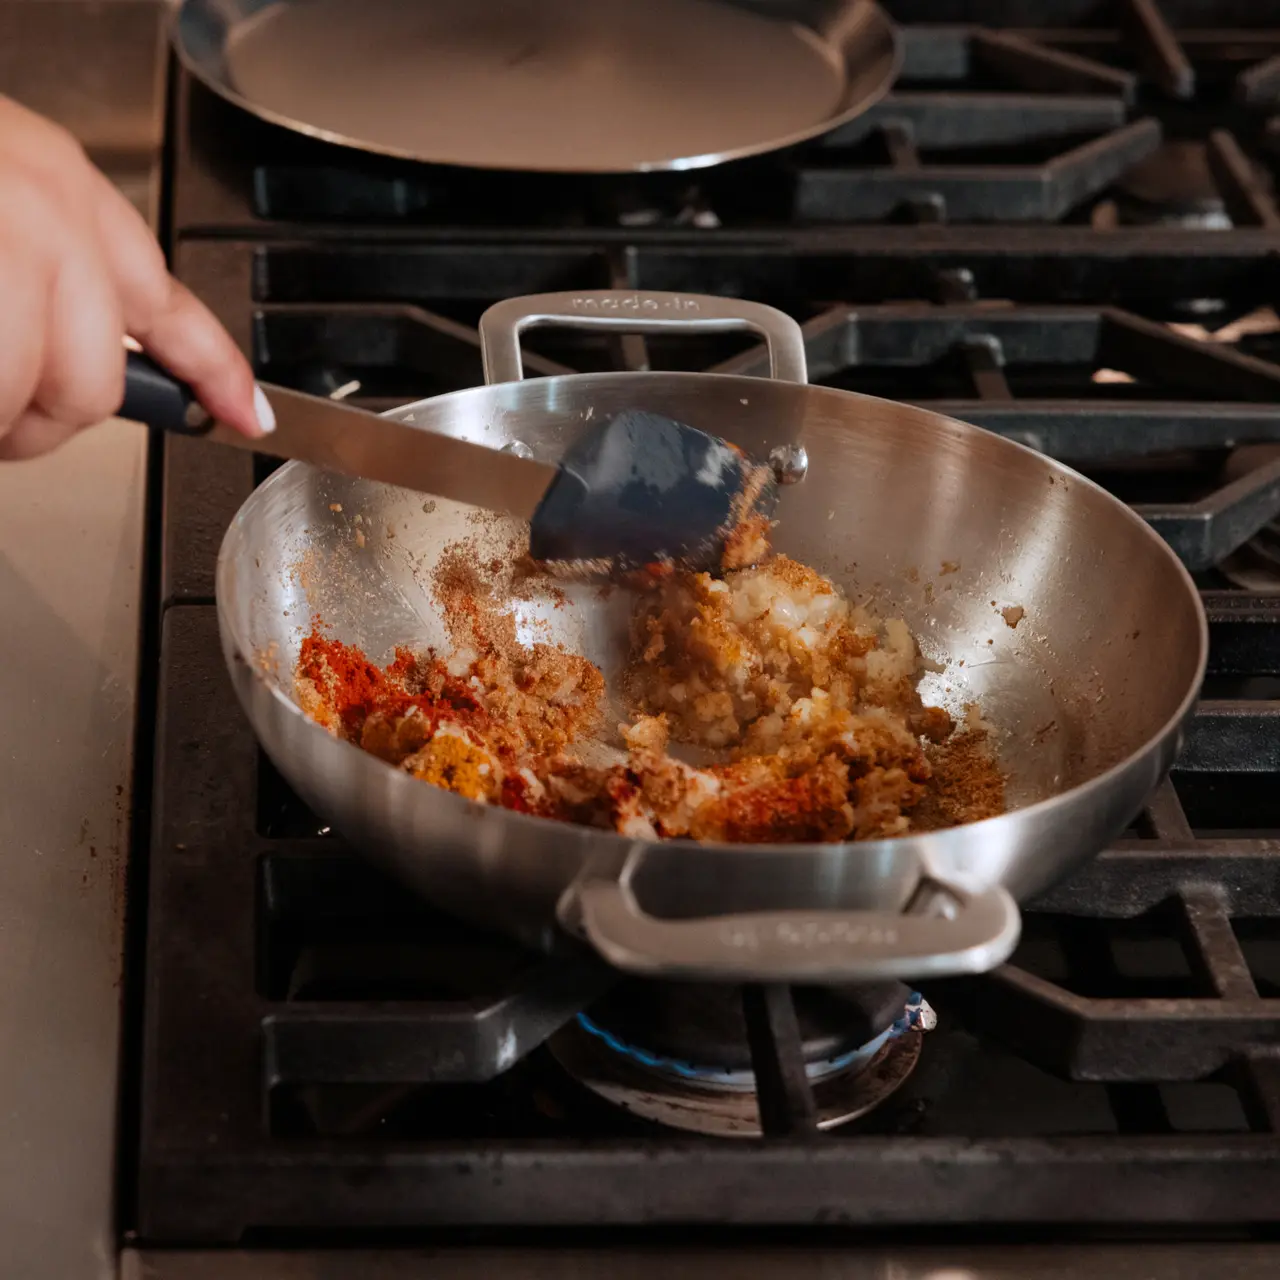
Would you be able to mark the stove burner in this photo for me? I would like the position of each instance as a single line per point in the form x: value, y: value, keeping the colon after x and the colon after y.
x: 652, y: 205
x: 915, y: 1014
x: 720, y: 1101
x: 1174, y: 187
x: 698, y: 1031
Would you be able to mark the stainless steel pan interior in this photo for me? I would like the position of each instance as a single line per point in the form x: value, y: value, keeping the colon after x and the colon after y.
x: 942, y: 524
x: 568, y: 86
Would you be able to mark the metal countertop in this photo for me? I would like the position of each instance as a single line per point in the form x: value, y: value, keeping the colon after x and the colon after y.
x: 70, y: 565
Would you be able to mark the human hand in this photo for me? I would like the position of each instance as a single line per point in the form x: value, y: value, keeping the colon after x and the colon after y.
x: 79, y: 269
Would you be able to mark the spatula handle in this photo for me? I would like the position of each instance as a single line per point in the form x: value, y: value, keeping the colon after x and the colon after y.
x: 157, y: 399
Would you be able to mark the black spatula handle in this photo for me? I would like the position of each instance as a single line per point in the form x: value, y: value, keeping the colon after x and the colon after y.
x: 157, y: 399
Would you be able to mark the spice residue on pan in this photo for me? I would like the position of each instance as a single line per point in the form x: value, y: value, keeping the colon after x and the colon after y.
x: 965, y: 787
x: 806, y: 704
x: 746, y: 538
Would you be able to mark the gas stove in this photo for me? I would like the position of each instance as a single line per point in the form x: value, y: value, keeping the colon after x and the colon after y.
x: 1062, y: 226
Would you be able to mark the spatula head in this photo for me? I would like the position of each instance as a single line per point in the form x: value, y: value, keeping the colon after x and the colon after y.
x: 641, y: 488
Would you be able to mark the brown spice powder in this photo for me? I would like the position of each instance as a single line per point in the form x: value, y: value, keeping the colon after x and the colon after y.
x: 967, y: 784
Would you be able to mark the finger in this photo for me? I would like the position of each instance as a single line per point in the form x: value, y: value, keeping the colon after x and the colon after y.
x: 22, y: 318
x: 34, y: 433
x: 82, y: 379
x: 186, y: 339
x: 174, y: 326
x: 39, y: 145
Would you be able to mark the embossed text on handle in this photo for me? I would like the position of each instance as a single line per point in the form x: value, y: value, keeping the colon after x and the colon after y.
x: 636, y: 303
x: 809, y: 934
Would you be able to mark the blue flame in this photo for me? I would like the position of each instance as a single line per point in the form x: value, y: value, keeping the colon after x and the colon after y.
x: 911, y: 1018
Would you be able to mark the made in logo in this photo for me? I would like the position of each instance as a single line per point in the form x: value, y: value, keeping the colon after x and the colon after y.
x: 636, y: 304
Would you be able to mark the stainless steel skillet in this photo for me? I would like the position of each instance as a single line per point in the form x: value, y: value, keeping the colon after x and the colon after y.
x: 1034, y: 591
x: 553, y: 86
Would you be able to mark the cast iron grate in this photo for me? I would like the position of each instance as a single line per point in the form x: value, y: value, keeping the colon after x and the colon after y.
x: 321, y: 1053
x: 1111, y: 383
x: 1043, y: 121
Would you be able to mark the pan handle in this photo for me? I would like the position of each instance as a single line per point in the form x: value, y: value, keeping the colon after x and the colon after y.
x: 636, y: 311
x: 799, y: 946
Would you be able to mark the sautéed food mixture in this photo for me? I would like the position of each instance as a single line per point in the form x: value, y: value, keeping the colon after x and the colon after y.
x: 805, y: 704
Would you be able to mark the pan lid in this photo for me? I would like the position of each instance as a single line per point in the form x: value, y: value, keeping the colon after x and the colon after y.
x: 570, y: 86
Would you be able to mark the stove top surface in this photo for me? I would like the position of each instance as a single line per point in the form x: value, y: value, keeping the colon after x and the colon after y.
x: 1047, y: 231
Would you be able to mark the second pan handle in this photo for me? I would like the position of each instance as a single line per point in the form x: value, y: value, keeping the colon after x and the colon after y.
x: 636, y: 311
x: 824, y: 947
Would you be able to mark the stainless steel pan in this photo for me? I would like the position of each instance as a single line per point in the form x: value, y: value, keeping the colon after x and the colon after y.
x: 568, y: 86
x: 948, y: 526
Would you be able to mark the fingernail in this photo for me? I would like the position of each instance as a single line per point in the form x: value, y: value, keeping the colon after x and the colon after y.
x: 262, y: 407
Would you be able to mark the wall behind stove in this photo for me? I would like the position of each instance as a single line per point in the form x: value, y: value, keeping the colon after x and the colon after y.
x: 95, y: 66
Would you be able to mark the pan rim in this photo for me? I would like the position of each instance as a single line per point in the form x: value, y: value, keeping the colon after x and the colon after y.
x: 933, y: 839
x: 222, y: 87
